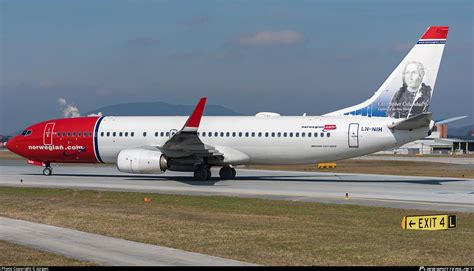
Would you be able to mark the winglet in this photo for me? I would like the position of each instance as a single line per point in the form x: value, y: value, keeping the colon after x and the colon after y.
x: 192, y: 124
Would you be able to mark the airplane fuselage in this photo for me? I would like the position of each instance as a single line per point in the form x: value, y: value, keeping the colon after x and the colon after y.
x: 245, y: 140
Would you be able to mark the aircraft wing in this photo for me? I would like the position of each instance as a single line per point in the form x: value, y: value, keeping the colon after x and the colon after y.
x: 186, y: 142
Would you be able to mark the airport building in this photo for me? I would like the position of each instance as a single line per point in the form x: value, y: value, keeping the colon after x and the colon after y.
x: 437, y: 143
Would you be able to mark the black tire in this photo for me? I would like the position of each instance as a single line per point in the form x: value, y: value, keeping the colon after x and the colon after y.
x: 47, y: 171
x: 227, y: 173
x: 233, y: 173
x: 202, y: 174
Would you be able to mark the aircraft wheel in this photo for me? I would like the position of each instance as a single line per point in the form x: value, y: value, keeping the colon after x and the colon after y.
x: 202, y: 174
x: 227, y: 173
x: 47, y: 171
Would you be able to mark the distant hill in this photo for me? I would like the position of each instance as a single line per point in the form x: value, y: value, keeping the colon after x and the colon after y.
x: 464, y: 132
x: 160, y: 109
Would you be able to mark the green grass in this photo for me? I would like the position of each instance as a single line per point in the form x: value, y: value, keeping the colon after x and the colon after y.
x: 260, y: 231
x: 17, y: 255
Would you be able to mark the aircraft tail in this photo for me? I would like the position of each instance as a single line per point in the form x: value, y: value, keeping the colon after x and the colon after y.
x: 408, y: 90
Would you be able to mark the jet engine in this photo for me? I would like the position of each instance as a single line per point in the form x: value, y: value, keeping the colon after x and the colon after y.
x: 141, y: 161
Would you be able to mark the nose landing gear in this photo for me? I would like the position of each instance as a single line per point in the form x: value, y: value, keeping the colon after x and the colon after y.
x: 48, y: 170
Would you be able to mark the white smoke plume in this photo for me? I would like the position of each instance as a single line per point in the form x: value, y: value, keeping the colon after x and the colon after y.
x: 95, y: 114
x: 69, y: 110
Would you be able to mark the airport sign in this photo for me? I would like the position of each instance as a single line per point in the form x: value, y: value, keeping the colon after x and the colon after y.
x: 429, y: 222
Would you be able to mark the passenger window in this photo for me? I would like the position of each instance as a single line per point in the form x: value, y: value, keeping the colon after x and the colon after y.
x: 240, y: 134
x: 284, y: 134
x: 132, y: 134
x: 315, y: 134
x: 233, y: 134
x: 203, y: 134
x: 297, y: 134
x: 309, y: 134
x: 108, y: 133
x: 120, y: 134
x: 126, y: 134
x: 69, y: 134
x: 253, y: 134
x: 73, y: 134
x: 273, y: 134
x: 167, y: 134
x: 64, y: 133
x: 144, y: 134
x: 90, y: 134
x: 322, y: 134
x: 102, y: 134
x: 114, y: 134
x: 227, y: 134
x: 279, y: 134
x: 266, y: 134
x: 85, y: 133
x: 156, y: 134
x: 303, y: 134
x: 59, y: 133
x: 260, y: 134
x: 291, y: 134
x: 80, y: 134
x: 173, y: 133
x: 222, y: 134
x: 328, y: 135
x: 247, y: 134
x: 209, y: 134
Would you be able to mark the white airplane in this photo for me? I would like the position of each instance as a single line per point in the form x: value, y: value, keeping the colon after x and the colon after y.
x: 396, y: 114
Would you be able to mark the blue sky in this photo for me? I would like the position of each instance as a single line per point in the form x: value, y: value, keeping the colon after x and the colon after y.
x: 290, y: 57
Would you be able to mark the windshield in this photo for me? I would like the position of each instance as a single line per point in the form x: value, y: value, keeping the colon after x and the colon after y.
x: 26, y: 133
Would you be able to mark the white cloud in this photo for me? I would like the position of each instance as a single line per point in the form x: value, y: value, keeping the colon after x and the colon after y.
x: 69, y: 110
x: 269, y: 37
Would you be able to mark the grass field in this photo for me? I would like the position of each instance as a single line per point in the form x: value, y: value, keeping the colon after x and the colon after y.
x: 259, y: 231
x: 16, y: 255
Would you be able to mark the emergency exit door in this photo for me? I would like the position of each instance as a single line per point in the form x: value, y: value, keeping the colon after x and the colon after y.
x: 353, y: 135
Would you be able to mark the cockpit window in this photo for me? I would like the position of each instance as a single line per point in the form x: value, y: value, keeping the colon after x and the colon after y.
x: 26, y: 133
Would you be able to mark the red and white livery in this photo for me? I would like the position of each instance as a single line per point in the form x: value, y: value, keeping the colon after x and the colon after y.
x: 396, y: 114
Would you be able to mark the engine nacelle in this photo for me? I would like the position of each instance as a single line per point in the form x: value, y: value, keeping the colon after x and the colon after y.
x: 141, y: 161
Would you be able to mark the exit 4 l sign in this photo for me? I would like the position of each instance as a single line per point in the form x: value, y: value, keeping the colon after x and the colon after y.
x: 429, y: 222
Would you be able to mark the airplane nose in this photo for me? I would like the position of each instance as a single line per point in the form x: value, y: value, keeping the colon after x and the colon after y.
x: 10, y: 144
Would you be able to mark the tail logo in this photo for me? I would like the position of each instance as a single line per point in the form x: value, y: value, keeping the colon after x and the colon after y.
x: 414, y: 96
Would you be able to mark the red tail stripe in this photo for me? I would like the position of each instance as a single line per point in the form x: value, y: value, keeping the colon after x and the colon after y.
x: 436, y: 32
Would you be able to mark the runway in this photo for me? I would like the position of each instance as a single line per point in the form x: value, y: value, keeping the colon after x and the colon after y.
x: 406, y: 192
x: 99, y: 248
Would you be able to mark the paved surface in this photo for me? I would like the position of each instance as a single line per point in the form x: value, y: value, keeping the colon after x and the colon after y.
x: 427, y: 193
x: 98, y: 248
x: 463, y: 160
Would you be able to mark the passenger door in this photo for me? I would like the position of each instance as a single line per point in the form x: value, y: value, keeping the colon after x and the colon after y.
x: 48, y: 133
x: 353, y: 135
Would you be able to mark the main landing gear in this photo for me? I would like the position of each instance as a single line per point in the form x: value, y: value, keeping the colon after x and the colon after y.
x: 48, y: 170
x: 203, y: 173
x: 227, y: 173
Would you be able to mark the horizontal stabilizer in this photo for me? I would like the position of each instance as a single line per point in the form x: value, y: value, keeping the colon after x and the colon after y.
x: 449, y: 120
x: 418, y: 121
